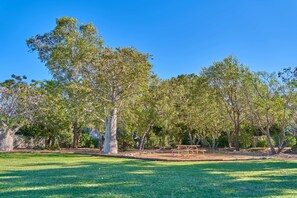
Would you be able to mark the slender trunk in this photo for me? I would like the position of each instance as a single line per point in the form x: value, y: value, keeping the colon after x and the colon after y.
x: 110, y: 142
x: 75, y: 134
x: 6, y: 140
x: 49, y: 139
x: 269, y: 141
x: 229, y: 138
x: 53, y: 142
x: 284, y: 145
x: 192, y: 141
x: 236, y: 133
x: 141, y: 145
x: 213, y: 143
x: 78, y: 137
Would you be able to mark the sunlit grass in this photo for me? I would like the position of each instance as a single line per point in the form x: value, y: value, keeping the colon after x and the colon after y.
x: 58, y: 175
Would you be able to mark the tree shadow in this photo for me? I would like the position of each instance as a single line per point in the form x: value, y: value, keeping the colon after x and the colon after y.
x: 138, y: 178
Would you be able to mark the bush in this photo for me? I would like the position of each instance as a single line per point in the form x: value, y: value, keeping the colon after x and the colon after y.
x: 262, y: 142
x: 223, y: 141
x: 246, y: 139
x: 86, y: 141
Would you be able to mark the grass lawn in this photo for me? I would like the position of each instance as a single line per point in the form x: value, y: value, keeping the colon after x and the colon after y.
x: 58, y: 175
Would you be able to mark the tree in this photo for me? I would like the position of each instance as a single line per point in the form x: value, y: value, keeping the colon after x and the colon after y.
x: 68, y: 51
x: 153, y: 109
x: 288, y: 121
x: 265, y: 103
x: 18, y: 102
x: 116, y: 78
x: 52, y: 122
x: 229, y: 79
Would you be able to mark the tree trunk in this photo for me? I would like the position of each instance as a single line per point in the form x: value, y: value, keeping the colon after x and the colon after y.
x: 110, y: 142
x: 236, y: 133
x: 48, y: 141
x: 229, y: 138
x: 284, y: 145
x: 141, y: 145
x: 6, y: 141
x: 213, y: 143
x: 75, y: 134
x: 192, y: 142
x: 269, y: 141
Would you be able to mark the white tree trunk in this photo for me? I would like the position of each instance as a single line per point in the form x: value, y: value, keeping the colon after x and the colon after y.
x: 110, y: 142
x: 6, y: 141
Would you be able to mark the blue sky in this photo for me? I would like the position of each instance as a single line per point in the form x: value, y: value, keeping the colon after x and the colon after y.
x: 183, y: 36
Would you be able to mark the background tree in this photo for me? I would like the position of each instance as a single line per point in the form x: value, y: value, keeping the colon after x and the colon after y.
x: 288, y: 121
x: 117, y: 77
x: 68, y: 51
x: 229, y: 79
x: 18, y: 101
x: 265, y: 102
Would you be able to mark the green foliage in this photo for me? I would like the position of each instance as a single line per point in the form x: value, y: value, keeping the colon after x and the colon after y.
x: 246, y: 139
x: 262, y: 142
x: 86, y: 141
x: 18, y: 103
x: 223, y: 141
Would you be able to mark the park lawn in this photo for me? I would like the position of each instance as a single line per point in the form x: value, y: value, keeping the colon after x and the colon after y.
x: 68, y: 175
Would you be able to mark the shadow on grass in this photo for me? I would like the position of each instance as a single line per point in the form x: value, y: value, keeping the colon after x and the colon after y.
x: 95, y: 177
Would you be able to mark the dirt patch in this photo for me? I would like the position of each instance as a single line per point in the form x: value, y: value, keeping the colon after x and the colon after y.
x: 167, y: 155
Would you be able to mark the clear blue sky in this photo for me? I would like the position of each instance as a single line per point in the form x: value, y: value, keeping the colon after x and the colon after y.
x: 183, y: 35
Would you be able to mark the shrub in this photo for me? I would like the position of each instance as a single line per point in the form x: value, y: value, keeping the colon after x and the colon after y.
x: 262, y: 142
x: 246, y: 139
x: 86, y: 141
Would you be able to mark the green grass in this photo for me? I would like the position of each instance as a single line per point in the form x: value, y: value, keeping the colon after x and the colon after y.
x: 57, y: 175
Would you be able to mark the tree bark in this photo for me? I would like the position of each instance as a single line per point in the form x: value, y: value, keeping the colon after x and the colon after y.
x: 269, y: 141
x: 236, y: 133
x: 213, y: 142
x: 6, y: 140
x: 141, y: 145
x: 190, y: 137
x: 110, y: 142
x: 268, y: 137
x: 48, y: 141
x: 284, y: 145
x: 75, y: 134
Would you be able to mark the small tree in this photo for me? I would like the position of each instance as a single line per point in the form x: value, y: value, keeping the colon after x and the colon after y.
x: 288, y: 121
x: 18, y: 102
x: 229, y: 79
x: 265, y: 102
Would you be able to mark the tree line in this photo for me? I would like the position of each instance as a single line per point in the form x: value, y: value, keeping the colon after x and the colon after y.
x: 114, y: 90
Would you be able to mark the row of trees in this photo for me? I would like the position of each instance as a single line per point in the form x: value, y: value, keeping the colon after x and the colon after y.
x: 114, y: 90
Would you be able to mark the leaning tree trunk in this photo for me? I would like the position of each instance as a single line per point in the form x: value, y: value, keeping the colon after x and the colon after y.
x: 270, y: 142
x: 268, y: 137
x: 141, y: 145
x: 110, y: 142
x: 192, y: 139
x: 284, y: 145
x: 6, y: 141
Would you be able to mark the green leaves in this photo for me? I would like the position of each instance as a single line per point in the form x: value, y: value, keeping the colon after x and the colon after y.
x: 68, y: 49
